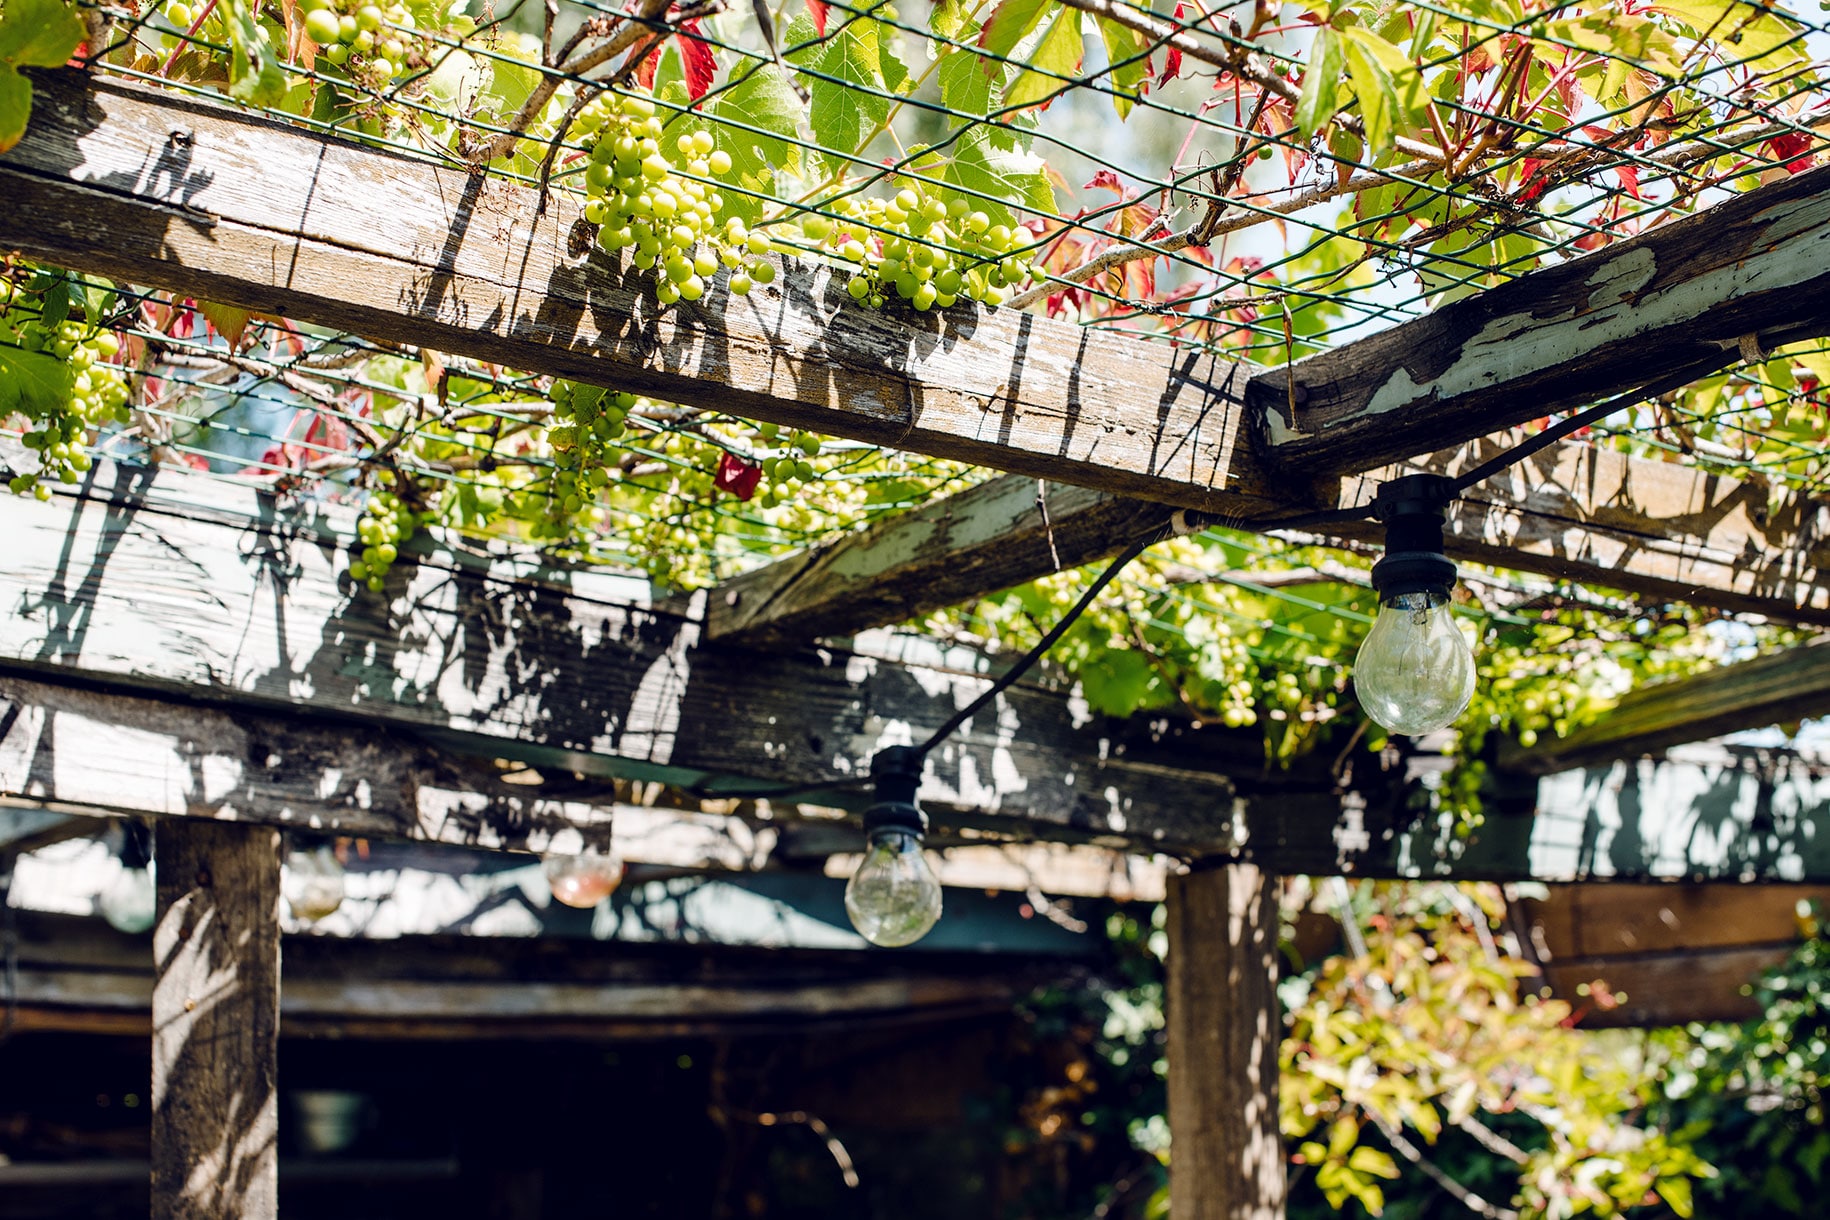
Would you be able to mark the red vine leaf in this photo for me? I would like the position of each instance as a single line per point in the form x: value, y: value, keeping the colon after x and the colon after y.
x: 736, y: 476
x: 697, y: 58
x: 1793, y: 151
x: 817, y: 10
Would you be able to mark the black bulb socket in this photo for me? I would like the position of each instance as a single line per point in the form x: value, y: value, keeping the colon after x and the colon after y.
x: 896, y: 775
x: 1413, y: 509
x: 136, y: 845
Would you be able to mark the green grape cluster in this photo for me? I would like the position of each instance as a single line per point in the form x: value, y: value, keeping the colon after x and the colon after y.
x: 61, y: 432
x: 921, y: 248
x: 387, y: 522
x: 639, y: 202
x: 372, y: 43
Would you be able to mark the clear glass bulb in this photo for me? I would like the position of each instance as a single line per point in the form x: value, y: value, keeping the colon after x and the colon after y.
x: 129, y: 903
x: 583, y: 880
x: 313, y: 883
x: 894, y: 897
x: 1415, y: 672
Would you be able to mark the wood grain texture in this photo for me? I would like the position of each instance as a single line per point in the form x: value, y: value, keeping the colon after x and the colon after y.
x: 1001, y: 533
x: 80, y: 751
x: 1651, y: 990
x: 1674, y: 301
x: 1616, y: 920
x: 1780, y: 687
x: 1224, y: 1029
x: 216, y: 1020
x: 154, y: 189
x: 173, y: 583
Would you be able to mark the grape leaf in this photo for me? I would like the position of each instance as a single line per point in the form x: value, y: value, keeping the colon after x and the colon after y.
x: 1321, y: 83
x: 763, y: 100
x: 1128, y: 52
x: 1747, y: 33
x: 1008, y: 24
x: 38, y: 33
x: 33, y: 33
x: 978, y: 165
x: 1388, y: 86
x: 33, y: 383
x: 1057, y: 55
x: 964, y: 89
x: 847, y: 78
x: 1118, y: 683
x: 255, y: 75
x: 15, y: 105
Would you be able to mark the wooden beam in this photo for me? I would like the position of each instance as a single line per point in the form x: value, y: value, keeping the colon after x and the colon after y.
x: 215, y: 1021
x: 70, y: 750
x: 1679, y: 301
x: 1004, y: 532
x: 173, y: 584
x: 1572, y: 511
x: 1224, y: 1030
x: 157, y: 189
x: 170, y: 583
x: 1780, y: 687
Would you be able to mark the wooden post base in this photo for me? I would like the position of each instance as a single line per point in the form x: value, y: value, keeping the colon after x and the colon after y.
x: 215, y: 1121
x: 1226, y: 1158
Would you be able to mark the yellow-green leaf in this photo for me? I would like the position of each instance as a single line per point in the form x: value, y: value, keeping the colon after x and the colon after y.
x: 38, y: 33
x: 1057, y: 55
x: 1128, y: 51
x: 1321, y: 83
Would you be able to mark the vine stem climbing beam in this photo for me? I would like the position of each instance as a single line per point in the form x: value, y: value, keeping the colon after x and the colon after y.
x: 148, y: 188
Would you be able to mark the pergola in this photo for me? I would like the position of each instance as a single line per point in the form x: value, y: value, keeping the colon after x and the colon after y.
x: 183, y: 649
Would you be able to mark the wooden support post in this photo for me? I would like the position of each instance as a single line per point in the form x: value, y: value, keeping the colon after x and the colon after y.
x: 216, y: 1004
x: 1227, y: 1158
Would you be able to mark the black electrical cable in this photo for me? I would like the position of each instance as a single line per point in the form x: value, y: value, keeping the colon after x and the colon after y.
x: 1048, y: 641
x: 1004, y: 681
x: 1562, y: 428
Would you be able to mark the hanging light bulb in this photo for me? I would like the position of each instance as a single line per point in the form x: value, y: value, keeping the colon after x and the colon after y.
x: 313, y: 882
x: 130, y: 901
x: 894, y: 897
x: 1415, y: 672
x: 583, y: 879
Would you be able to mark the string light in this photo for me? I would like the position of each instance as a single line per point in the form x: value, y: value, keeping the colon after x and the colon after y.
x: 1415, y: 671
x: 894, y: 897
x: 313, y: 882
x: 582, y: 879
x: 130, y: 901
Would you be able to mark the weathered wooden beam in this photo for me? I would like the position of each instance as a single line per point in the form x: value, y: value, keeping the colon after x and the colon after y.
x: 1681, y: 300
x: 168, y: 582
x: 158, y: 189
x: 1782, y: 686
x: 1001, y: 533
x: 216, y: 1020
x: 179, y: 585
x: 1705, y: 812
x: 77, y: 751
x: 1572, y: 511
x: 1225, y: 1027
